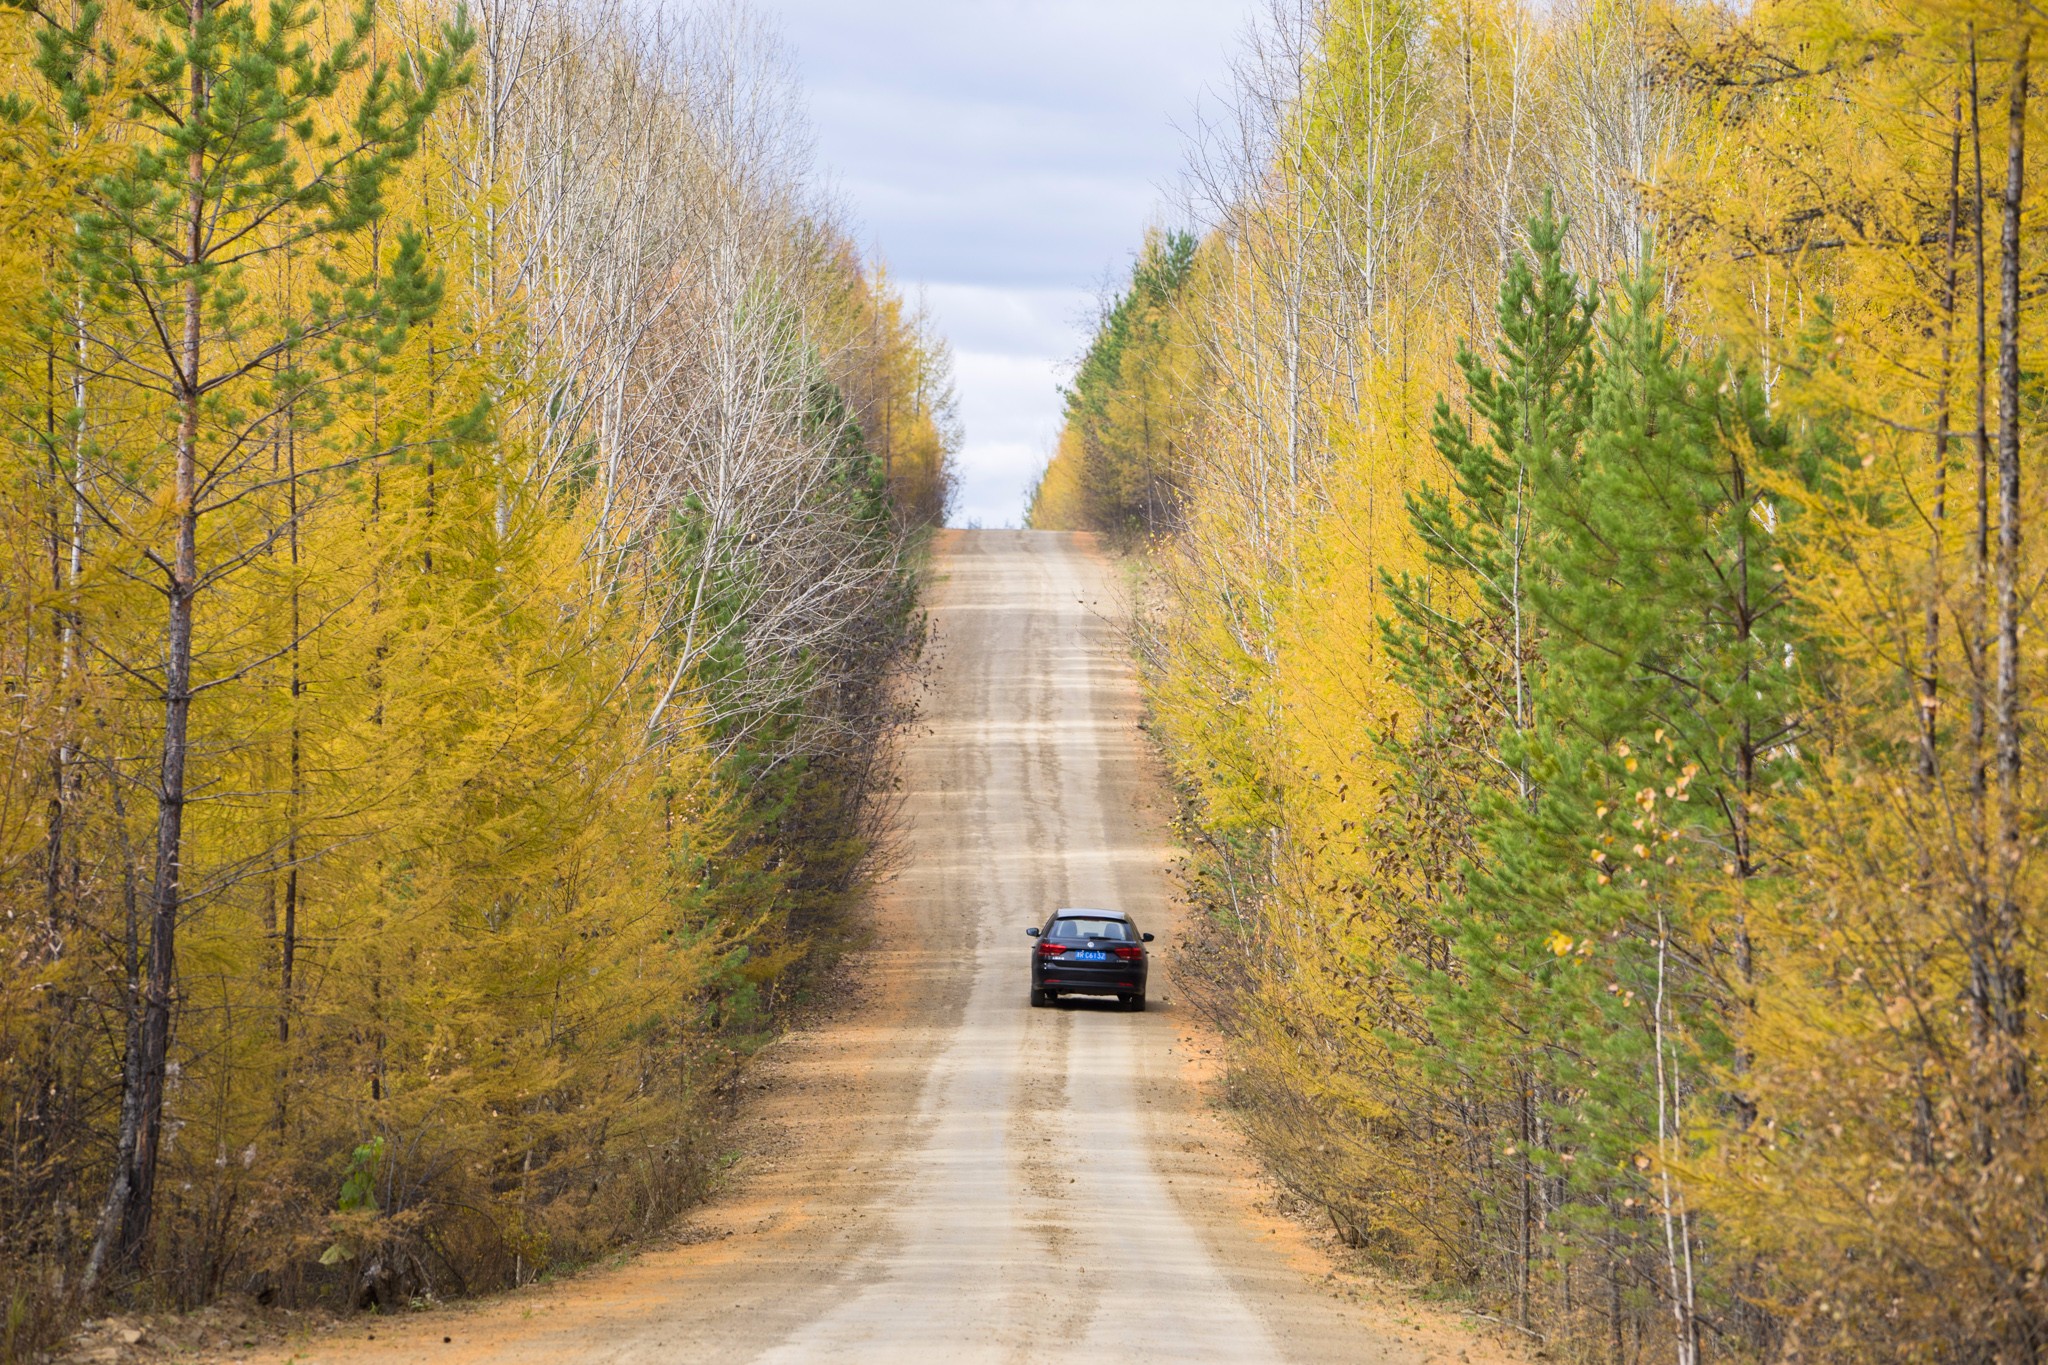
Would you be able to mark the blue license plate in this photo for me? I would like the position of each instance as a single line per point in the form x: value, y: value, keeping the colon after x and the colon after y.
x: 1086, y: 955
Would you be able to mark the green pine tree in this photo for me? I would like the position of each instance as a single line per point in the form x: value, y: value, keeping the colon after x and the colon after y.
x: 1600, y: 939
x: 231, y: 168
x: 1466, y: 642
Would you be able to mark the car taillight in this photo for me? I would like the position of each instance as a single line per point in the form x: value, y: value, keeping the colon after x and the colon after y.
x: 1050, y: 950
x: 1128, y: 952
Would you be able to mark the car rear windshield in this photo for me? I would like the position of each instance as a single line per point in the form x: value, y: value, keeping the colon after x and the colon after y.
x: 1092, y: 928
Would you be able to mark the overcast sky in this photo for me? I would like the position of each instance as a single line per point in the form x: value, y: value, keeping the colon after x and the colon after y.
x: 1006, y: 156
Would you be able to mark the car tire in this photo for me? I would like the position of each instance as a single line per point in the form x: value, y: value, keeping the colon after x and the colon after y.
x: 1039, y: 999
x: 1132, y: 1002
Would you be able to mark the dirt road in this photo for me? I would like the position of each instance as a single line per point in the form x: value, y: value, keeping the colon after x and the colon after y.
x: 944, y: 1173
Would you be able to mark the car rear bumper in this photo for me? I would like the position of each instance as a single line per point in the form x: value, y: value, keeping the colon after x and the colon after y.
x: 1110, y: 979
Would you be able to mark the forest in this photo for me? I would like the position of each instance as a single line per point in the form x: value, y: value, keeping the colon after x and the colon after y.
x: 462, y: 500
x: 1577, y: 471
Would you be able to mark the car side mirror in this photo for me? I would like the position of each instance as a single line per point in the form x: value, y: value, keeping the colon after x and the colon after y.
x: 1146, y: 937
x: 1032, y: 932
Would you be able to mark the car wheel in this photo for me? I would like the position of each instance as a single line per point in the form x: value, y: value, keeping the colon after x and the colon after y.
x: 1039, y: 999
x: 1135, y: 1002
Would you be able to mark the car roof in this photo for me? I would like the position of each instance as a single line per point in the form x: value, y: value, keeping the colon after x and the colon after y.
x: 1073, y: 913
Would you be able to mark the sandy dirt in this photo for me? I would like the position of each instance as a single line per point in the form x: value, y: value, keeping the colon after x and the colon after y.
x: 937, y: 1171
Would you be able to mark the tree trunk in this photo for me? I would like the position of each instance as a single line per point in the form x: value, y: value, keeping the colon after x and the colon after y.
x: 131, y: 1059
x: 289, y: 941
x: 2009, y: 996
x: 165, y: 888
x: 2006, y: 710
x: 1930, y: 644
x: 1980, y: 545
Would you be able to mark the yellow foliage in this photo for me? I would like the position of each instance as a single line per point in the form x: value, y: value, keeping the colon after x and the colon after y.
x: 541, y: 613
x: 1057, y: 503
x: 895, y: 373
x: 1828, y: 182
x: 1893, y: 1172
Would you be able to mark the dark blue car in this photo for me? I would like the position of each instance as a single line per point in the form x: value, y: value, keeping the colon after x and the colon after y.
x: 1089, y: 952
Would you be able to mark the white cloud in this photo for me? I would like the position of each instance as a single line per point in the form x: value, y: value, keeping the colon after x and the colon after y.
x: 1006, y: 390
x: 1007, y: 155
x: 1010, y: 429
x: 1012, y: 349
x: 1013, y: 321
x: 1002, y: 474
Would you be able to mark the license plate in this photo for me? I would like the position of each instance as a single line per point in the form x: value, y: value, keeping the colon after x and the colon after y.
x: 1086, y: 955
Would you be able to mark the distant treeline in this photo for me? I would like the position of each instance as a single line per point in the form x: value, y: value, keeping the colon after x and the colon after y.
x: 460, y: 499
x: 1590, y: 473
